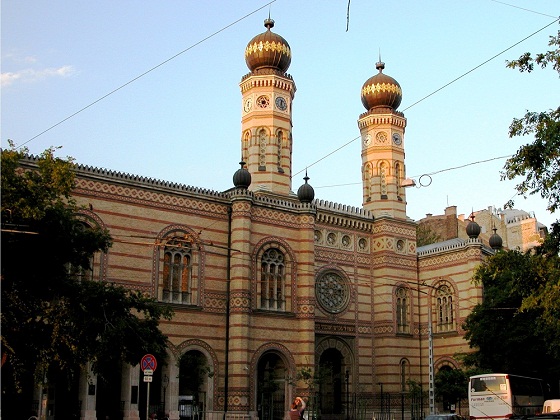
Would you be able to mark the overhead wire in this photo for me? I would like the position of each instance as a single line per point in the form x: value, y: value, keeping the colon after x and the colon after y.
x: 148, y: 71
x: 438, y: 90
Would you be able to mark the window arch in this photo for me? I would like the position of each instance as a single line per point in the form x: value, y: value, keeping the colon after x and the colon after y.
x: 262, y: 149
x: 95, y: 271
x: 246, y: 143
x: 398, y: 178
x: 279, y: 137
x: 178, y: 282
x: 383, y: 179
x: 445, y: 308
x: 272, y: 293
x: 404, y: 369
x: 402, y: 305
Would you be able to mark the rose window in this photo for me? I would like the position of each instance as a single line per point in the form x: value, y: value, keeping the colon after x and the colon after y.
x: 332, y: 292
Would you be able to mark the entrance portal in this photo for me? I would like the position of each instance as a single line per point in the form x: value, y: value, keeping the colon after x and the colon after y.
x: 331, y: 382
x: 271, y: 387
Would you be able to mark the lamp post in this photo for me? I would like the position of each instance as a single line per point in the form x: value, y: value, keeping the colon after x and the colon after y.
x: 382, y: 402
x: 347, y: 377
x: 165, y: 383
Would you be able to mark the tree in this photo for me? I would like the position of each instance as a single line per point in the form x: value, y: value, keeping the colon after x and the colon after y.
x: 54, y: 319
x: 538, y: 162
x: 507, y: 334
x: 451, y: 385
x: 425, y: 235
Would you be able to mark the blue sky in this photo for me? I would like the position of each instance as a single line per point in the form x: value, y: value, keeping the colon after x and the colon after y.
x: 180, y: 121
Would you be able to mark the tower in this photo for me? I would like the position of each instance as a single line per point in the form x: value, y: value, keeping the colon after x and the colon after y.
x: 266, y: 122
x: 382, y: 130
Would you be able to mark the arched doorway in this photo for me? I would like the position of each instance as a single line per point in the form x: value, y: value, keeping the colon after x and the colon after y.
x: 194, y: 371
x: 332, y: 376
x: 271, y: 387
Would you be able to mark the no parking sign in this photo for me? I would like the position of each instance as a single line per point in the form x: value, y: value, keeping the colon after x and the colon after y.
x: 148, y: 364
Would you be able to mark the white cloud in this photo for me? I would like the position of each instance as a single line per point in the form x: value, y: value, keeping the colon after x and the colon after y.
x: 32, y: 75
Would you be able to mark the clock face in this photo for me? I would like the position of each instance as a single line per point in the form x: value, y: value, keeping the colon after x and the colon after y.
x: 367, y: 140
x: 248, y: 105
x: 397, y: 139
x: 281, y: 103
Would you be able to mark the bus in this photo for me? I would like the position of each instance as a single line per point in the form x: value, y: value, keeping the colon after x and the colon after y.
x: 503, y: 396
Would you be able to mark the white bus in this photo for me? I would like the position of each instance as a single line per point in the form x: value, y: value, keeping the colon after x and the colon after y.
x: 503, y: 396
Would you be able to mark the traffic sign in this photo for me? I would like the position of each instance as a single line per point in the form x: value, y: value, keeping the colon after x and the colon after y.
x: 148, y: 378
x: 148, y: 372
x: 149, y: 363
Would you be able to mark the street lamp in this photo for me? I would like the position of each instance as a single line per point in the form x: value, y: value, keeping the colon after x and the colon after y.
x: 165, y: 383
x: 347, y: 376
x: 382, y: 402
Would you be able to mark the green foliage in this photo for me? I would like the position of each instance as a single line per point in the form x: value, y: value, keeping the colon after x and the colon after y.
x: 53, y: 321
x: 451, y: 385
x: 426, y: 236
x: 538, y: 162
x: 194, y: 370
x: 513, y: 330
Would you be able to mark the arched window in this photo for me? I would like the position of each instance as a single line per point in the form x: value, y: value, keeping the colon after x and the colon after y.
x: 402, y: 304
x: 246, y: 144
x: 383, y: 179
x: 403, y: 374
x: 279, y: 136
x: 177, y: 276
x: 262, y: 149
x: 445, y: 309
x: 93, y: 272
x: 398, y: 177
x: 273, y: 280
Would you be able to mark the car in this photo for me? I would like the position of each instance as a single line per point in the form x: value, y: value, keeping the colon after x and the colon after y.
x: 444, y: 416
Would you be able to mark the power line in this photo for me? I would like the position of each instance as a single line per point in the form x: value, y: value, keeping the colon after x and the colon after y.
x: 437, y: 90
x: 429, y: 173
x: 147, y: 72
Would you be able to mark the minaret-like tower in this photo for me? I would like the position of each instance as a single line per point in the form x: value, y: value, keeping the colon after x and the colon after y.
x: 266, y: 122
x: 382, y: 128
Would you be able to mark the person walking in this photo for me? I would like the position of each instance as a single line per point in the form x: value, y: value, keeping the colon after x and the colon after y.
x: 296, y: 409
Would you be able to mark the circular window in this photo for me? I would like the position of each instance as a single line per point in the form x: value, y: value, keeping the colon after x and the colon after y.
x: 318, y: 236
x: 263, y: 101
x: 362, y: 243
x: 332, y: 292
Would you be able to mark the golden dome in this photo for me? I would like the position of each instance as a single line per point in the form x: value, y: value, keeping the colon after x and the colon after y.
x: 268, y: 50
x: 381, y: 91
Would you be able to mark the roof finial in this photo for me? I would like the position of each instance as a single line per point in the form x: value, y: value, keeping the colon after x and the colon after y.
x: 380, y: 65
x: 269, y: 23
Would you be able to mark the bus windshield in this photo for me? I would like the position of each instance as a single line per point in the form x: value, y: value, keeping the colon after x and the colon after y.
x: 496, y: 384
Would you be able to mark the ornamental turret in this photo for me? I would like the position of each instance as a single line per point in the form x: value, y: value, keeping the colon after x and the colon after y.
x: 266, y: 116
x: 382, y: 130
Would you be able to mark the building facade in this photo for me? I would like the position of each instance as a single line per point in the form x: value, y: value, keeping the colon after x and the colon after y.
x: 269, y: 285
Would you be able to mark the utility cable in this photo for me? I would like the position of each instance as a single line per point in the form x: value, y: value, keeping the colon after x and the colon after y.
x: 147, y: 72
x: 437, y: 90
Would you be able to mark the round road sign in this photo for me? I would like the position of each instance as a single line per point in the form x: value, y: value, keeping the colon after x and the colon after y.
x: 148, y: 362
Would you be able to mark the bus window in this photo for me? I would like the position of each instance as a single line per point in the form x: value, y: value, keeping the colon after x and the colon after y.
x: 489, y: 383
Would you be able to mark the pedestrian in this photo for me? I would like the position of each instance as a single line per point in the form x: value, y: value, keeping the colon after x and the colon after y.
x: 296, y: 409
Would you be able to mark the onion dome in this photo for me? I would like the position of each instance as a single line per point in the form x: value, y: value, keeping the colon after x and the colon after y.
x: 306, y: 193
x: 242, y: 177
x: 268, y: 50
x: 495, y: 240
x: 381, y: 90
x: 473, y: 228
